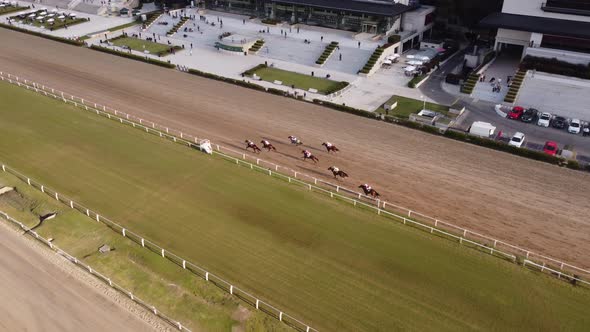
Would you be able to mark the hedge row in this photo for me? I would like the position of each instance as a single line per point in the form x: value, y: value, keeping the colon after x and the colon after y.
x: 337, y: 87
x: 257, y: 46
x: 372, y: 60
x: 327, y: 52
x: 151, y: 17
x: 133, y: 56
x: 417, y: 79
x: 38, y: 34
x: 469, y: 85
x: 177, y: 25
x: 231, y: 80
x: 554, y: 66
x: 515, y: 86
x: 14, y: 9
x: 270, y: 21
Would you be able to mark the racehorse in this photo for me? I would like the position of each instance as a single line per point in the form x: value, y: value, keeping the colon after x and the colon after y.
x: 308, y: 155
x: 337, y: 172
x: 369, y: 191
x: 295, y: 140
x: 251, y: 145
x: 330, y: 147
x: 267, y: 145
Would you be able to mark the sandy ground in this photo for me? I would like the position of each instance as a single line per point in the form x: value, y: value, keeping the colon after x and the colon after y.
x: 528, y: 203
x: 42, y: 291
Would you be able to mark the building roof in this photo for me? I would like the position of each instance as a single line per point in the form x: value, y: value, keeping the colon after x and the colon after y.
x: 359, y: 6
x: 551, y: 26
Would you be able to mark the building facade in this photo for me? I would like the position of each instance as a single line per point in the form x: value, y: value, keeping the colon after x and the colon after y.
x: 544, y: 28
x: 371, y: 16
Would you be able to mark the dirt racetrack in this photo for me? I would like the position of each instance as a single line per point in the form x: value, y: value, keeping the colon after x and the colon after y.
x: 42, y: 292
x: 531, y: 204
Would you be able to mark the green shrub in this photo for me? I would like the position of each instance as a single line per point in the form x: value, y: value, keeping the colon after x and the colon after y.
x: 393, y: 39
x: 133, y: 56
x: 555, y: 66
x: 270, y: 21
x: 252, y: 71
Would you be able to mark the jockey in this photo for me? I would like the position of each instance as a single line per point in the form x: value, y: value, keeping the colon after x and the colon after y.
x: 265, y: 142
x: 250, y: 143
x: 367, y: 187
x: 328, y: 144
x: 335, y: 169
x: 306, y: 154
x: 294, y: 140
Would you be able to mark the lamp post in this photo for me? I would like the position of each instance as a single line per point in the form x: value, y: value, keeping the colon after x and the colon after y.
x: 424, y: 102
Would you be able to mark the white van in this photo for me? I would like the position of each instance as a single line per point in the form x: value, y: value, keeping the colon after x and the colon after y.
x: 482, y: 129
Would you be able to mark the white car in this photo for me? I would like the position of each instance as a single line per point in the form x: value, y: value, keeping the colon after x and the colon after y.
x: 544, y: 119
x: 575, y: 126
x: 517, y: 140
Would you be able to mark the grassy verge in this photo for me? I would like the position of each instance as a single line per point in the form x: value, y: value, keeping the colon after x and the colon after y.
x: 329, y: 264
x: 300, y: 81
x: 141, y: 45
x: 133, y: 56
x: 197, y: 304
x: 407, y: 106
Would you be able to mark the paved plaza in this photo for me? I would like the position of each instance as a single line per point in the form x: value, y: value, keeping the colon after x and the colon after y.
x: 565, y: 96
x: 503, y: 66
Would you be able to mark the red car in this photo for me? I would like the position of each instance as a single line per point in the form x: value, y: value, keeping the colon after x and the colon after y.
x: 516, y: 113
x: 550, y: 148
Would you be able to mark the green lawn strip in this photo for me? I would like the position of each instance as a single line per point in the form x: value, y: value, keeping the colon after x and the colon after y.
x: 58, y: 24
x: 325, y: 262
x: 300, y: 81
x: 407, y: 106
x: 141, y: 45
x: 197, y: 304
x: 11, y: 9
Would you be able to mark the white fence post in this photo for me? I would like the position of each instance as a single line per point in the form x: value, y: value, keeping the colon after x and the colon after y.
x: 184, y: 264
x: 97, y: 217
x: 143, y: 242
x: 56, y: 197
x: 281, y: 316
x: 28, y: 181
x: 163, y: 253
x: 71, y: 204
x: 4, y: 168
x: 42, y: 189
x: 257, y: 301
x: 207, y: 276
x: 231, y: 289
x: 123, y: 231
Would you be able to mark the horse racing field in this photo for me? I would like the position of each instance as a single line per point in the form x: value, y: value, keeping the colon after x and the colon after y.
x: 333, y: 266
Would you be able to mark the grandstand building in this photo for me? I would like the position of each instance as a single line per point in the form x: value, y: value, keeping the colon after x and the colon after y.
x: 544, y: 28
x: 406, y: 18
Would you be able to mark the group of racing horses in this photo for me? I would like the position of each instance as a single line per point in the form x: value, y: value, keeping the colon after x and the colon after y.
x: 308, y: 155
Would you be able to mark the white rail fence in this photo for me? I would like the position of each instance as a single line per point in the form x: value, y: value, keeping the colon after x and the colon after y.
x: 185, y: 264
x: 95, y: 273
x: 399, y: 213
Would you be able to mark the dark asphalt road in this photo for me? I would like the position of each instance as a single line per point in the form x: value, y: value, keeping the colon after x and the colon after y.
x: 484, y: 111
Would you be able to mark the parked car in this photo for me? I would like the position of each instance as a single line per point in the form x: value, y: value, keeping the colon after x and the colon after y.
x: 559, y: 122
x: 586, y: 129
x: 516, y: 113
x: 550, y: 148
x: 529, y: 115
x: 575, y: 126
x: 544, y: 119
x: 517, y: 140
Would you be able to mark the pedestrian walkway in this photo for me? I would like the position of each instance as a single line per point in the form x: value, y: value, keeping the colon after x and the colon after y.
x: 503, y: 67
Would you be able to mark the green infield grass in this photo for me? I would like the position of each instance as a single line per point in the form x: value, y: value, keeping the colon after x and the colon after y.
x: 333, y: 266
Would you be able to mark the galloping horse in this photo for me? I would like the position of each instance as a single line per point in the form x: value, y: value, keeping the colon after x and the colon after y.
x: 267, y: 145
x: 295, y: 140
x: 308, y: 155
x: 337, y: 172
x: 251, y: 145
x: 330, y: 147
x: 369, y: 191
